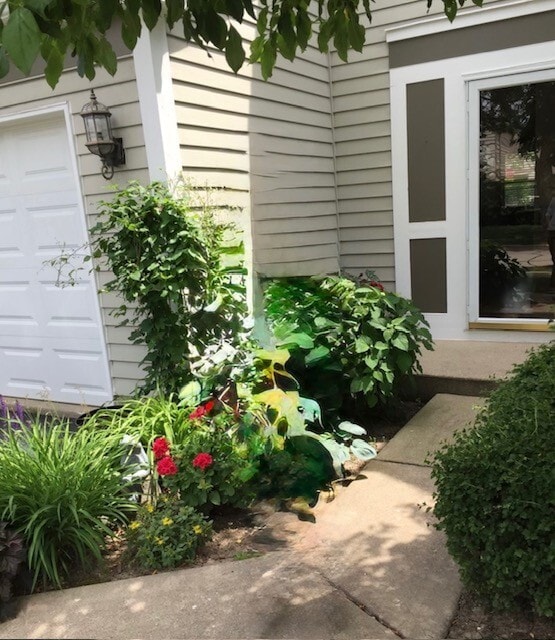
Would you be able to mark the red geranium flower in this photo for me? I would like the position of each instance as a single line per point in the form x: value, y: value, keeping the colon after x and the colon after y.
x: 197, y: 413
x: 160, y: 448
x: 378, y: 285
x: 202, y: 410
x: 203, y: 460
x: 166, y: 466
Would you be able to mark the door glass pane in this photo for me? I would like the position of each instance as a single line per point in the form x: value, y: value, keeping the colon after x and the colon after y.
x: 517, y: 201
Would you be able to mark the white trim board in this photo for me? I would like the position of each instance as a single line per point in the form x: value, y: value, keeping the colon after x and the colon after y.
x: 457, y: 73
x: 155, y: 91
x: 467, y: 17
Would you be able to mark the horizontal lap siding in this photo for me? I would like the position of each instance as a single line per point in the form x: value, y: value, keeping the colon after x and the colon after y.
x: 363, y: 142
x: 120, y: 94
x: 269, y: 145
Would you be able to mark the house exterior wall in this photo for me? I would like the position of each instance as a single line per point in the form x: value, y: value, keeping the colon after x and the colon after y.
x: 269, y: 146
x: 361, y: 112
x: 18, y: 95
x: 419, y: 61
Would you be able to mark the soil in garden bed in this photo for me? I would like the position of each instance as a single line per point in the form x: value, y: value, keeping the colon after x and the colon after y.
x: 473, y: 621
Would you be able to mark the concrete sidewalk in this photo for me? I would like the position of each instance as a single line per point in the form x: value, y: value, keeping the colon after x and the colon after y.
x: 370, y: 567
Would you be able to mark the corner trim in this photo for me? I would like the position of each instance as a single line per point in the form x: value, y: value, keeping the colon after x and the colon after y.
x: 155, y: 91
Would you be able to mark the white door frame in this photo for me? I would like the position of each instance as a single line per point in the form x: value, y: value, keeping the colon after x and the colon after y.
x: 461, y: 173
x: 520, y: 75
x: 64, y: 109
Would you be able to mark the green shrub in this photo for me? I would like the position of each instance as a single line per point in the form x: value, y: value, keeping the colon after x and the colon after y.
x: 495, y: 493
x: 167, y: 534
x: 212, y: 467
x: 172, y: 265
x: 62, y: 491
x: 346, y: 338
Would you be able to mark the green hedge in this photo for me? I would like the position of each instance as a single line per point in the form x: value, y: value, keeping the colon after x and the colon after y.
x: 496, y: 491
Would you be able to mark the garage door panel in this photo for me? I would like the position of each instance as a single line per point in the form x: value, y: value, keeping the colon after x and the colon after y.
x: 51, y: 336
x: 79, y: 362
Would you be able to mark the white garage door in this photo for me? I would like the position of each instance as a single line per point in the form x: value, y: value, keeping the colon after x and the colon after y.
x: 51, y: 338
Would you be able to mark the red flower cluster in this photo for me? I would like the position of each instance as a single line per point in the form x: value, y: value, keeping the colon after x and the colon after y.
x: 202, y: 410
x: 378, y: 285
x: 203, y: 461
x: 165, y: 465
x: 160, y: 448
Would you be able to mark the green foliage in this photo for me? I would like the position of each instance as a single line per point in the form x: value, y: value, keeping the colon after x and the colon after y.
x: 499, y: 273
x: 495, y: 491
x: 62, y: 492
x: 170, y: 264
x: 167, y: 535
x: 346, y: 338
x: 54, y: 29
x: 144, y: 419
x: 224, y: 480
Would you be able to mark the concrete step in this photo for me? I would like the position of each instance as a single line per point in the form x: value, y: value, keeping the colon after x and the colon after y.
x: 466, y: 367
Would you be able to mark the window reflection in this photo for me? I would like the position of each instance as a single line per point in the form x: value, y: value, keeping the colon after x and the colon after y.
x: 517, y: 185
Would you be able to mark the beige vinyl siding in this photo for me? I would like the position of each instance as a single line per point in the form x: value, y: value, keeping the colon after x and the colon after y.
x: 361, y: 112
x: 269, y: 146
x: 120, y: 93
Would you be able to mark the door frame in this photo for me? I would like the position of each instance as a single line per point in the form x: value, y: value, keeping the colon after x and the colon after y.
x: 519, y: 75
x: 64, y: 109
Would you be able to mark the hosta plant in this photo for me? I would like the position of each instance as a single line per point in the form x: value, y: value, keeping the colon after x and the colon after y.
x: 346, y: 338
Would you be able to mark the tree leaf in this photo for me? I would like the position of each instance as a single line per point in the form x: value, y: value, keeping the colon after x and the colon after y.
x: 151, y: 12
x: 22, y: 39
x: 54, y: 65
x: 234, y: 52
x: 4, y: 62
x: 106, y: 56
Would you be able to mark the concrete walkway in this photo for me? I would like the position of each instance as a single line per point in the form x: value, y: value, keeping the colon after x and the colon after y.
x: 370, y: 567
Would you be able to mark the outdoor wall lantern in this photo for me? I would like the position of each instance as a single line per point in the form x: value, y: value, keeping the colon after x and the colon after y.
x: 100, y: 140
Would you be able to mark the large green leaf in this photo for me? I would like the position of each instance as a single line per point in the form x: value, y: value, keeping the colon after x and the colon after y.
x: 234, y: 52
x: 22, y: 39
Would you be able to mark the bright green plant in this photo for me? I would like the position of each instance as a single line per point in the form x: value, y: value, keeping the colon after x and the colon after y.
x: 167, y: 534
x: 62, y: 491
x: 207, y: 466
x: 495, y: 494
x: 144, y: 419
x: 346, y: 338
x: 171, y: 265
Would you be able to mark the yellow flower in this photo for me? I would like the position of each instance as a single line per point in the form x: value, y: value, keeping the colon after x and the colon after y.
x: 197, y: 529
x: 159, y: 541
x: 150, y: 508
x: 134, y: 525
x: 167, y: 521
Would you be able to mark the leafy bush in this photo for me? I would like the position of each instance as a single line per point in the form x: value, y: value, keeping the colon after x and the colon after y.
x: 61, y: 491
x: 346, y: 338
x: 167, y: 534
x: 171, y: 265
x: 207, y: 466
x: 495, y: 491
x: 499, y: 274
